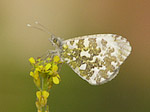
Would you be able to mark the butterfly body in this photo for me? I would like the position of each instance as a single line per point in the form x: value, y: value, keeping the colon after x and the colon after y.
x: 95, y: 58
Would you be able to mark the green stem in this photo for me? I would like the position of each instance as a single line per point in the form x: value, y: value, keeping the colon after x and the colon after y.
x: 44, y: 82
x: 43, y: 87
x: 43, y: 108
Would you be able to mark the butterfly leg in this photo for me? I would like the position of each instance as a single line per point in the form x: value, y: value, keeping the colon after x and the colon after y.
x: 51, y: 53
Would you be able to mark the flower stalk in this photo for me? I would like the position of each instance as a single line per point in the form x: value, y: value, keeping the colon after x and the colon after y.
x: 45, y: 74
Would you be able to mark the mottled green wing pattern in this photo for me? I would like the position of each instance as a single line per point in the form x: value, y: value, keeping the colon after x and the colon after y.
x: 96, y: 58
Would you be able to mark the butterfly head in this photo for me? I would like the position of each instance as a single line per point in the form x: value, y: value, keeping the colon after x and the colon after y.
x: 56, y: 41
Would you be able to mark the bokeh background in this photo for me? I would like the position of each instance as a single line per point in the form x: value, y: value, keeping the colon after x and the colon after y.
x: 128, y: 92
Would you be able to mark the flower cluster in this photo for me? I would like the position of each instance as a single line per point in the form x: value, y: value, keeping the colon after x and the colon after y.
x: 45, y: 75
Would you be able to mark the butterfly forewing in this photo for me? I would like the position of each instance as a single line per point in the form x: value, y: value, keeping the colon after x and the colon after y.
x: 96, y: 58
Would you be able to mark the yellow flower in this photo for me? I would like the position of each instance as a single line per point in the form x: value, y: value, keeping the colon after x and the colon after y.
x: 40, y: 68
x: 42, y: 98
x: 44, y: 69
x: 55, y: 80
x: 56, y: 59
x: 39, y: 94
x: 32, y: 60
x: 45, y: 94
x: 54, y: 68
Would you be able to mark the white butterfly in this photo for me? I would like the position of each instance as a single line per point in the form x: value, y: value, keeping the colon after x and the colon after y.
x: 95, y: 58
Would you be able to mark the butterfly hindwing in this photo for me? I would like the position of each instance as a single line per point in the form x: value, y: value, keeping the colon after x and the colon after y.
x: 96, y: 58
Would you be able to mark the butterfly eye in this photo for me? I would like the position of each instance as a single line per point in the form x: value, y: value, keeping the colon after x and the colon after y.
x: 55, y: 40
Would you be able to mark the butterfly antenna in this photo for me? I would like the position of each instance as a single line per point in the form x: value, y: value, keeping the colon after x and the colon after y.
x: 35, y: 27
x: 42, y: 26
x: 39, y: 27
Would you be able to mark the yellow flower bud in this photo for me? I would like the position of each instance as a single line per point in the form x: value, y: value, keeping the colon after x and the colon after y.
x: 56, y: 59
x: 50, y: 72
x: 32, y: 60
x: 58, y: 76
x: 39, y: 111
x: 35, y: 75
x: 37, y: 82
x: 47, y: 66
x: 41, y: 66
x: 55, y: 80
x: 36, y: 69
x: 38, y: 94
x: 54, y: 68
x: 39, y: 59
x: 50, y: 86
x: 65, y: 46
x: 37, y: 103
x: 48, y: 59
x: 32, y: 74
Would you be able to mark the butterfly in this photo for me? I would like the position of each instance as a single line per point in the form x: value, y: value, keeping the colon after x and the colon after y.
x: 95, y: 58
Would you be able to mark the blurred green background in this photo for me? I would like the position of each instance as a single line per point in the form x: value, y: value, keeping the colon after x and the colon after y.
x: 128, y: 92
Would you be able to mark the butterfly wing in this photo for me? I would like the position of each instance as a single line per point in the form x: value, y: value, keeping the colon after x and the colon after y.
x: 96, y: 58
